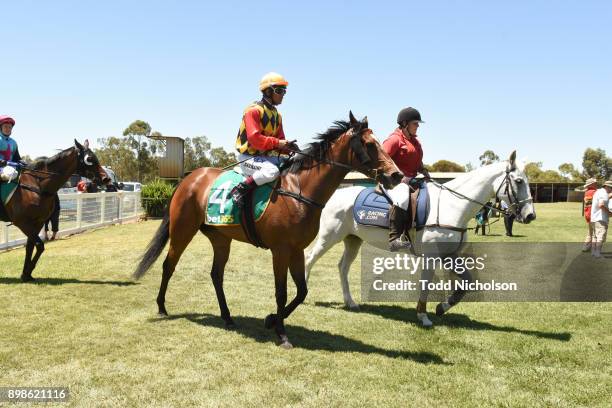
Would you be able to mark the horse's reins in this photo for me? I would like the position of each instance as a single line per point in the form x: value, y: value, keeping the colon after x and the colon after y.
x: 358, y: 150
x: 509, y: 190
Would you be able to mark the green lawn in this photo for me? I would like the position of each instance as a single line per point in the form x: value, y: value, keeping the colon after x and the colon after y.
x: 87, y: 326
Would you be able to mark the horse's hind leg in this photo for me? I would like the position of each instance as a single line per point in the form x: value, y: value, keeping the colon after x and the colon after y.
x: 421, y: 309
x: 455, y: 297
x: 325, y: 240
x: 181, y: 234
x: 351, y: 249
x: 221, y: 246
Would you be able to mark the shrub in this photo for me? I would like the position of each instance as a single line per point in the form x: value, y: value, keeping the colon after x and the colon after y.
x: 155, y: 197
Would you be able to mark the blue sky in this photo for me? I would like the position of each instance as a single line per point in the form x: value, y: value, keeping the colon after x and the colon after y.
x: 535, y: 76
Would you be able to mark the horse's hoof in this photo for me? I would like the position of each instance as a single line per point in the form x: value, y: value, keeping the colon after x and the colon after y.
x: 442, y: 308
x: 353, y: 307
x: 424, y: 319
x: 229, y: 324
x: 285, y: 343
x: 270, y: 321
x: 27, y: 278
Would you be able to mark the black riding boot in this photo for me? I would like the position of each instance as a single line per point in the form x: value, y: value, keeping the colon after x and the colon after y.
x: 398, y: 218
x: 240, y: 192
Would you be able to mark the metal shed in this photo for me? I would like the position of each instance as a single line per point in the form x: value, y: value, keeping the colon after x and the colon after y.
x: 171, y: 163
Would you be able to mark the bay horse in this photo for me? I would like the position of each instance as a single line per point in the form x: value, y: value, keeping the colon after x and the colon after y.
x: 289, y: 223
x: 34, y: 199
x: 452, y: 206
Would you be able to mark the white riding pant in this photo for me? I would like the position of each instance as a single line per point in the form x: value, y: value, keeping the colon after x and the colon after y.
x: 400, y: 195
x: 263, y: 169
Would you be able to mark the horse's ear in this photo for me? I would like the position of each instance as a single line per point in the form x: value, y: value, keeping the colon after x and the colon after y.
x: 86, y: 143
x: 364, y: 121
x: 354, y: 121
x: 512, y: 158
x: 78, y: 145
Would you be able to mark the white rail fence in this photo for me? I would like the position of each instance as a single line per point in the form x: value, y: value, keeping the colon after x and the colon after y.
x: 80, y: 212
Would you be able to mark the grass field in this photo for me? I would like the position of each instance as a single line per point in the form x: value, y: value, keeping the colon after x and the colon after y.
x: 87, y: 326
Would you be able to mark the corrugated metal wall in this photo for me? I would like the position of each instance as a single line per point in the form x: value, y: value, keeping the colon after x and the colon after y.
x: 171, y: 165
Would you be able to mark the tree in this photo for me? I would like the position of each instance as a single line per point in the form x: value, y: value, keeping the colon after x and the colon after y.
x: 551, y: 176
x: 535, y: 174
x: 596, y: 163
x: 220, y: 158
x: 569, y: 172
x: 469, y: 166
x: 117, y: 153
x: 488, y: 157
x: 134, y: 132
x: 196, y: 152
x: 447, y: 166
x: 533, y: 171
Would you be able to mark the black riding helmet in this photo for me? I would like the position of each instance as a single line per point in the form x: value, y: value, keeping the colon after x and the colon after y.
x: 407, y: 115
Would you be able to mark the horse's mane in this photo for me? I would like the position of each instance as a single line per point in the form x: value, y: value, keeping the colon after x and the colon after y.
x: 43, y: 162
x: 317, y: 151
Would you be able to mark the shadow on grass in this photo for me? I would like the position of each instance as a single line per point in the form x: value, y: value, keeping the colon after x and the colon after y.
x: 63, y: 281
x: 303, y: 337
x: 408, y: 315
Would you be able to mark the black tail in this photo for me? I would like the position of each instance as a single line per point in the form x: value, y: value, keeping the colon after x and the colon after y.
x: 154, y: 249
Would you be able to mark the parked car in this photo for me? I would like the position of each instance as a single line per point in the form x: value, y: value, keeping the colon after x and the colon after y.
x: 132, y: 186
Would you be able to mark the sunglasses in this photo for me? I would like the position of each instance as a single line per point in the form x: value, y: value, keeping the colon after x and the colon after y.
x: 279, y: 90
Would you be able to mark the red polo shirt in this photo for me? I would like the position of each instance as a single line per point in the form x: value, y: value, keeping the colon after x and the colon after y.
x: 405, y: 152
x: 588, y: 202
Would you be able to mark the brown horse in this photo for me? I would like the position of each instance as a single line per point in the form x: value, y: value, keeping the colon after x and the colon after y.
x: 34, y: 199
x: 289, y: 224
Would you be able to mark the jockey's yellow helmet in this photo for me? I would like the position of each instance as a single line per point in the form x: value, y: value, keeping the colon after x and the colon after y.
x: 272, y: 79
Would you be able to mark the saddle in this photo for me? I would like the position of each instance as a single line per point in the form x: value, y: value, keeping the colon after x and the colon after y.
x: 221, y: 211
x: 372, y: 207
x: 7, y: 189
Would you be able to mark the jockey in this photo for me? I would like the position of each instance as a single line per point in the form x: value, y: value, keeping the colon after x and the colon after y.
x: 8, y: 147
x: 260, y: 136
x: 405, y: 150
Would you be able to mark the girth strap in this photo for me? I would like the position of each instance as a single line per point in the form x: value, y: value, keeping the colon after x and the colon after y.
x: 247, y: 221
x: 300, y: 197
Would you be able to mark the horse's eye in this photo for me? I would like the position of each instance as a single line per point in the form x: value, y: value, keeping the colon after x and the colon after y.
x: 519, y: 181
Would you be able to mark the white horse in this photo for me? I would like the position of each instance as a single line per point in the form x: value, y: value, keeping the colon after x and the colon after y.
x: 452, y: 206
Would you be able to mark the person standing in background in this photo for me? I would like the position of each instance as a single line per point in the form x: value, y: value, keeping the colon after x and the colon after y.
x: 508, y: 219
x: 587, y: 201
x: 600, y: 216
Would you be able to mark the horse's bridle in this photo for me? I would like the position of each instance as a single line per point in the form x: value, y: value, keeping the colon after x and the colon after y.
x: 509, y: 191
x: 357, y: 148
x: 515, y: 206
x: 83, y: 160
